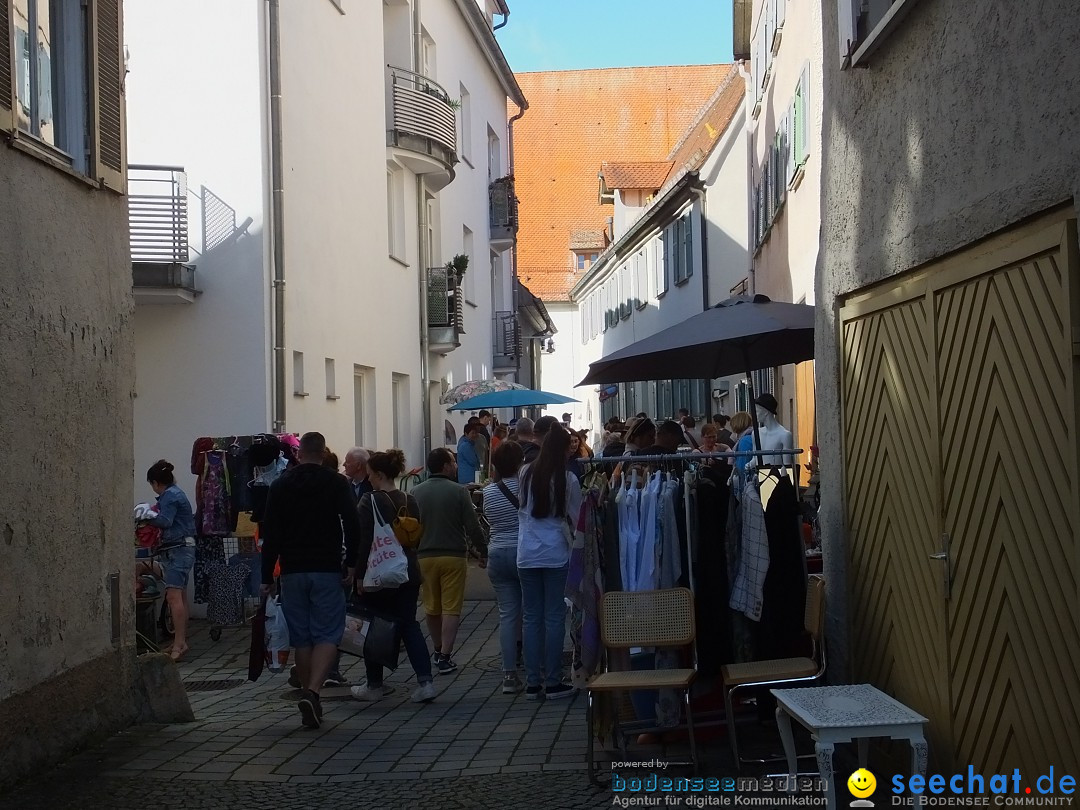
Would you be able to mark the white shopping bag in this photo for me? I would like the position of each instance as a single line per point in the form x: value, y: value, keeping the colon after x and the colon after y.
x: 387, y: 566
x: 277, y: 636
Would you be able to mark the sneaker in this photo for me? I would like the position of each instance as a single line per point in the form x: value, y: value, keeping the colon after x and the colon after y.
x: 562, y: 690
x: 367, y: 693
x: 533, y: 692
x: 445, y: 665
x: 511, y: 685
x: 336, y: 679
x: 424, y: 693
x: 294, y: 678
x: 310, y: 710
x: 435, y: 656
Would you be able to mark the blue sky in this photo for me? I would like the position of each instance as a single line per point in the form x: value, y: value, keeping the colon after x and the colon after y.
x: 576, y: 34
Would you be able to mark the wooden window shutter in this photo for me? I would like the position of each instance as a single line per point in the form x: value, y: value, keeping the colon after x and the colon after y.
x: 7, y: 114
x: 107, y: 93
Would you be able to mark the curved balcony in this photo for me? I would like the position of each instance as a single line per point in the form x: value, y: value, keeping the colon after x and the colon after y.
x: 423, y: 126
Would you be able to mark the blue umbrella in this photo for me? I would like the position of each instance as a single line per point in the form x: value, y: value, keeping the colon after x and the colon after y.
x: 515, y: 398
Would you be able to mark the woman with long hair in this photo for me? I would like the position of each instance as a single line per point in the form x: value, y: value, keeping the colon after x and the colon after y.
x: 177, y: 550
x: 501, y: 510
x: 550, y: 501
x: 398, y: 604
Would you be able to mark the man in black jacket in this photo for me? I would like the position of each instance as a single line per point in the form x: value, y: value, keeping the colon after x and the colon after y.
x: 308, y: 508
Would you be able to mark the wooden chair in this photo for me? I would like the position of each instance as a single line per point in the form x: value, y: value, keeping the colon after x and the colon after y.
x: 780, y: 671
x: 646, y: 619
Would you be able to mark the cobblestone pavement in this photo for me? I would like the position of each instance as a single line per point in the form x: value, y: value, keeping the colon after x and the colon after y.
x: 471, y: 747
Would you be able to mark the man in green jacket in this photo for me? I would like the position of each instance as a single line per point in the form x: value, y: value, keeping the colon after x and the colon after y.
x: 450, y: 521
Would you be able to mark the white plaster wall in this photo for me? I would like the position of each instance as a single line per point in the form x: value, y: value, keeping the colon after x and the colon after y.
x: 560, y: 370
x: 726, y: 215
x: 784, y: 266
x: 202, y: 368
x: 346, y: 300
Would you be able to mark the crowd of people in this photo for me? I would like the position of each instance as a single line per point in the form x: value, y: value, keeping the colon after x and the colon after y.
x: 320, y: 528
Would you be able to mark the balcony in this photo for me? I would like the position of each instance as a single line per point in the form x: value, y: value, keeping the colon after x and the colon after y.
x: 502, y: 213
x: 446, y: 322
x: 158, y: 235
x: 506, y: 341
x: 423, y: 126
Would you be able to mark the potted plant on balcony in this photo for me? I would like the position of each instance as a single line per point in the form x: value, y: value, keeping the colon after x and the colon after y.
x: 458, y: 265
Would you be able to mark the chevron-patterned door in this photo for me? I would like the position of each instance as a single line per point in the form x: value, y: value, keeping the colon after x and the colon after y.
x: 897, y: 618
x: 960, y: 409
x: 1006, y: 387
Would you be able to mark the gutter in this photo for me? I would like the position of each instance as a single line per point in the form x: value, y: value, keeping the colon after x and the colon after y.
x: 277, y: 208
x: 671, y: 199
x: 422, y: 261
x: 751, y: 240
x: 515, y: 285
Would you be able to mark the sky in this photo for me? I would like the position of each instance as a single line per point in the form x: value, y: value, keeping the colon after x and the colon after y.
x: 579, y: 34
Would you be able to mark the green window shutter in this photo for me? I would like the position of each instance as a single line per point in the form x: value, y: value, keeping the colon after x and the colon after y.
x: 7, y: 104
x: 688, y: 245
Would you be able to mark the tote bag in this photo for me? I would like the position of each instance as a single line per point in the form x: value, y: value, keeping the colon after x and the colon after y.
x: 387, y: 566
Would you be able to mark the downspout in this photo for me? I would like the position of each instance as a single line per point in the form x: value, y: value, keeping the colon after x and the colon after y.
x: 514, y: 291
x: 277, y: 206
x: 422, y: 261
x: 505, y: 20
x: 748, y: 127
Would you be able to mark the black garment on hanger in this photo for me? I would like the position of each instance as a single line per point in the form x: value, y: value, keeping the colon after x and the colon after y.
x: 715, y: 646
x: 784, y: 592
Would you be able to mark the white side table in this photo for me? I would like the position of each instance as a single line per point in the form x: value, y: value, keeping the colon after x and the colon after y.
x: 834, y: 714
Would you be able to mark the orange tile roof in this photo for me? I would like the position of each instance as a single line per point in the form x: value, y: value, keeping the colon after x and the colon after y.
x: 576, y: 120
x: 713, y: 120
x: 647, y: 174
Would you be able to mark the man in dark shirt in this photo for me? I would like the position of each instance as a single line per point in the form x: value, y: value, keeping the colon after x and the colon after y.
x: 357, y: 472
x: 307, y: 510
x: 529, y: 442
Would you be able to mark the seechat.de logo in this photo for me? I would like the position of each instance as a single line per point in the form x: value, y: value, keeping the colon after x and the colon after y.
x: 862, y: 785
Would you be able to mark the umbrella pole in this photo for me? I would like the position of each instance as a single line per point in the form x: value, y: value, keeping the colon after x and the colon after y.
x: 753, y: 408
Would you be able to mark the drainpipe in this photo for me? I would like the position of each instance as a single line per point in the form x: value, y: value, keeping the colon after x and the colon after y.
x: 514, y: 292
x: 505, y: 20
x: 748, y: 127
x: 277, y: 206
x: 423, y: 261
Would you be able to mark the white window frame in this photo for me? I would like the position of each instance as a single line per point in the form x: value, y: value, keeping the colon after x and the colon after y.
x: 395, y: 213
x: 468, y: 282
x: 854, y: 52
x: 298, y: 374
x: 464, y: 115
x: 331, y: 380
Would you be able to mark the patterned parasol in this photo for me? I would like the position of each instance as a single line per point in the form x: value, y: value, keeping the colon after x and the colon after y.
x: 473, y: 388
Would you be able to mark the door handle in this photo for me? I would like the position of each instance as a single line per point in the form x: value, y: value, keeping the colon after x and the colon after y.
x: 946, y: 571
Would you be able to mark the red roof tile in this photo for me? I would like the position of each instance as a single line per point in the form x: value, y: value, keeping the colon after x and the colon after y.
x: 647, y: 175
x: 576, y: 120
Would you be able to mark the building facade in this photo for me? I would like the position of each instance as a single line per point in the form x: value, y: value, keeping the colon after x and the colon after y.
x: 67, y: 646
x: 679, y: 247
x: 784, y: 103
x: 948, y: 294
x: 325, y: 302
x: 579, y: 120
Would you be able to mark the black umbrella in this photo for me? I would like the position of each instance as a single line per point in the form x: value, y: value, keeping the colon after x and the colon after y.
x: 742, y: 334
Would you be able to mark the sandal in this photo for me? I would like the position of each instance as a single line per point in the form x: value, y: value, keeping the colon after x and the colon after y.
x: 177, y: 653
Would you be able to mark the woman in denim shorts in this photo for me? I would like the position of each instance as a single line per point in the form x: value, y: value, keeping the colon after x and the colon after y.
x: 177, y: 550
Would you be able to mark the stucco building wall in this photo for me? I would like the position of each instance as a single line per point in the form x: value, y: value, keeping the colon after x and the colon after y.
x: 67, y: 367
x: 922, y: 156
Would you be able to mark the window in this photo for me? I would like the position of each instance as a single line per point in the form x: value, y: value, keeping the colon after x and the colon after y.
x: 800, y: 111
x: 468, y: 281
x: 625, y: 293
x: 494, y: 156
x: 65, y: 93
x: 864, y: 24
x: 298, y: 374
x: 464, y: 116
x: 583, y: 261
x: 400, y: 392
x: 663, y: 262
x: 395, y: 212
x: 641, y: 281
x: 427, y: 55
x: 431, y: 241
x: 363, y: 403
x: 580, y: 261
x: 679, y: 248
x: 331, y: 380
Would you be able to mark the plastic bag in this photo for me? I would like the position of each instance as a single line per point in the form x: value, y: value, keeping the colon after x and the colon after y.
x: 277, y: 636
x: 356, y: 630
x: 383, y: 643
x: 387, y: 566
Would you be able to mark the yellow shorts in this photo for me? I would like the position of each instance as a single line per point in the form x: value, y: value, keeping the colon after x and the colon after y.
x: 443, y: 590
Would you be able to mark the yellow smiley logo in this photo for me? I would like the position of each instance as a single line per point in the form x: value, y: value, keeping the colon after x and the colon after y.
x: 862, y: 783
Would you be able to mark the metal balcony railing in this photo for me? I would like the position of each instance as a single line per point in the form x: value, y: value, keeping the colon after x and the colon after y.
x: 422, y: 116
x: 158, y: 214
x: 503, y: 205
x: 506, y: 340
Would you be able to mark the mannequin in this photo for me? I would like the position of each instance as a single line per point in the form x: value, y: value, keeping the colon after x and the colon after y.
x: 773, y: 436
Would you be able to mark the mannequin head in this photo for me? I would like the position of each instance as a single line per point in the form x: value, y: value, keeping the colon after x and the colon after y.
x: 766, y: 408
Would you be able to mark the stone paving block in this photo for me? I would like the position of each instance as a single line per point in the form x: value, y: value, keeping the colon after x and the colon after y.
x: 391, y: 776
x: 262, y: 777
x: 348, y: 777
x: 440, y: 774
x: 205, y: 776
x: 297, y: 768
x: 318, y: 780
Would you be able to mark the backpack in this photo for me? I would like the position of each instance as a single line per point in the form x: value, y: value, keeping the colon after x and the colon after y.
x: 407, y: 529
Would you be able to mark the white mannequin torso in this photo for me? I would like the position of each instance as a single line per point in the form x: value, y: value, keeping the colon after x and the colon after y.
x: 774, y: 436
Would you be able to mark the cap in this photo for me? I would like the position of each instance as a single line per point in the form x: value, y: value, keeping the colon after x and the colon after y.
x: 768, y: 402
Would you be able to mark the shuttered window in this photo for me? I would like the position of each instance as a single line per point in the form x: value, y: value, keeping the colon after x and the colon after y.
x: 62, y: 92
x: 800, y: 113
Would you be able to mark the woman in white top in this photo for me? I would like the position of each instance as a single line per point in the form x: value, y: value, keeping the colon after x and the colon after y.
x: 550, y: 501
x: 501, y: 510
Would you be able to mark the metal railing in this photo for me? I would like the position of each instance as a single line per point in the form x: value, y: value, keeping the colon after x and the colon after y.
x: 502, y: 204
x: 422, y: 115
x: 506, y: 339
x: 444, y: 299
x: 158, y: 214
